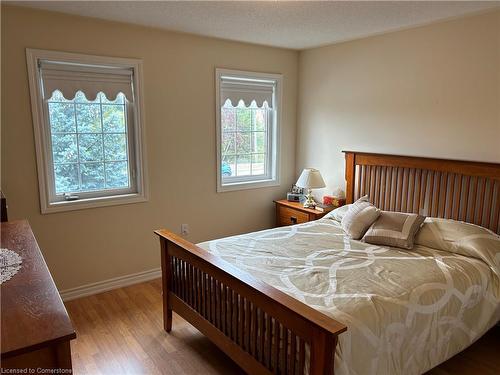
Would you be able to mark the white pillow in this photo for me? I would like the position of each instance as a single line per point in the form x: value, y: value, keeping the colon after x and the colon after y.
x: 359, y: 217
x: 338, y: 213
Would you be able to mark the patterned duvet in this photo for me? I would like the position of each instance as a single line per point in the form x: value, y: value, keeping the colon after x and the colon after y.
x: 406, y: 310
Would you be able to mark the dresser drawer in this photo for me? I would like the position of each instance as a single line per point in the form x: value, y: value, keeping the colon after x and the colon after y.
x: 289, y: 216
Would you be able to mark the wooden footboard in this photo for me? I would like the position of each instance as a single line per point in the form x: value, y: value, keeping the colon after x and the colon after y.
x: 261, y: 328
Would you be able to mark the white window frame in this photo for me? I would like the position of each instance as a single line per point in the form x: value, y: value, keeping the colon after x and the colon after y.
x: 137, y: 144
x: 250, y: 182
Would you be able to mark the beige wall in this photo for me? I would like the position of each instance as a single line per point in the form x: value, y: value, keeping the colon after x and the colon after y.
x: 431, y: 91
x: 96, y: 244
x: 428, y: 91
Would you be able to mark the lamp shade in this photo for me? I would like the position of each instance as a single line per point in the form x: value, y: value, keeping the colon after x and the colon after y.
x: 310, y: 178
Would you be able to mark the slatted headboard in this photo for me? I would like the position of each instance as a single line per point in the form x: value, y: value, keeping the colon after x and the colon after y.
x: 460, y: 190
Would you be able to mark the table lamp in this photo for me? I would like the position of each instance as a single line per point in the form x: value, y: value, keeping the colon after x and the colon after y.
x: 310, y: 178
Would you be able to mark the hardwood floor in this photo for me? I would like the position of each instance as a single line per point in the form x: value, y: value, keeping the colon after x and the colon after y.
x: 121, y: 332
x: 482, y: 358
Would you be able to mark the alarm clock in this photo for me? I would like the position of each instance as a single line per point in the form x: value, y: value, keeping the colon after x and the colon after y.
x: 294, y: 197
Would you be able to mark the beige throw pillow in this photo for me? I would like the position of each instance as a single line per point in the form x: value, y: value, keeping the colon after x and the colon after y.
x: 396, y: 229
x: 359, y: 217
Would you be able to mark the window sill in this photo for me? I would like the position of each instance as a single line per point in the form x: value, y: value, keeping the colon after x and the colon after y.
x: 82, y: 204
x: 245, y: 185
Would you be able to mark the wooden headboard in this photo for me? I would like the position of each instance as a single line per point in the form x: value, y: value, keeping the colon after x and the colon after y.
x: 460, y: 190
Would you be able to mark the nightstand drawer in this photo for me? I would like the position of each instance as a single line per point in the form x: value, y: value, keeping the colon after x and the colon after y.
x: 289, y: 216
x: 290, y: 213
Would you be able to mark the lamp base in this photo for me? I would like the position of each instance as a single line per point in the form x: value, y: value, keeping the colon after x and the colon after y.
x: 309, y: 203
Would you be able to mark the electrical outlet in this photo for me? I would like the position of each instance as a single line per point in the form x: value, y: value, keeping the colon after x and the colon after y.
x: 184, y: 229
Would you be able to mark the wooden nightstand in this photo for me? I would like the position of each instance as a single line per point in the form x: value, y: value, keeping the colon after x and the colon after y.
x: 289, y: 213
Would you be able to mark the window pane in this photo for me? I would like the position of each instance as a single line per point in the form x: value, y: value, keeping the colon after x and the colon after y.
x: 88, y: 118
x: 260, y: 119
x: 243, y: 167
x: 259, y: 142
x: 243, y: 143
x: 258, y: 164
x: 228, y: 119
x: 90, y: 146
x: 92, y: 175
x: 244, y: 118
x: 64, y: 149
x: 62, y: 117
x: 228, y: 145
x: 113, y: 118
x: 228, y: 167
x: 115, y: 147
x: 117, y: 175
x: 66, y: 178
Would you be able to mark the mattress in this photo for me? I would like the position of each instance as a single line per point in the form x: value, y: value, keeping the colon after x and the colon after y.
x: 406, y: 310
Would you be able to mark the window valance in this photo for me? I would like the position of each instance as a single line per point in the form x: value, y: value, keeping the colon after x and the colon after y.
x: 70, y: 78
x: 236, y: 89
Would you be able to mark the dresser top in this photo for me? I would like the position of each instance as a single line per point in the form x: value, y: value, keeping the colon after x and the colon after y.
x: 32, y: 312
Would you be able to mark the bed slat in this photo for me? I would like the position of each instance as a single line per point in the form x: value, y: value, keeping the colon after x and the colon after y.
x: 405, y: 189
x: 293, y: 353
x: 247, y: 325
x: 473, y: 200
x: 389, y: 190
x: 383, y: 179
x: 399, y: 188
x: 302, y: 356
x: 496, y: 211
x: 376, y: 189
x: 481, y: 201
x: 276, y: 341
x: 284, y: 350
x: 457, y: 197
x: 411, y: 189
x: 268, y: 342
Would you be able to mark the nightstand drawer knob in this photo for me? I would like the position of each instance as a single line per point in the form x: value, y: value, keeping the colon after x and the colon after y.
x: 293, y: 219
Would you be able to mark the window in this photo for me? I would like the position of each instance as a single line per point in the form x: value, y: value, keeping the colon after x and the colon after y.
x: 88, y: 130
x: 247, y: 129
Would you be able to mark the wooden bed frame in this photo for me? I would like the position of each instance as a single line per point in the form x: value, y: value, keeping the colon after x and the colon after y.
x: 266, y: 331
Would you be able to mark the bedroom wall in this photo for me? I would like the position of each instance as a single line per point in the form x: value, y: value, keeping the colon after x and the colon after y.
x: 428, y: 91
x: 92, y: 245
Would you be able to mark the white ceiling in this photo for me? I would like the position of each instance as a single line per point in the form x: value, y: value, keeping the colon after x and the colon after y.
x: 288, y: 24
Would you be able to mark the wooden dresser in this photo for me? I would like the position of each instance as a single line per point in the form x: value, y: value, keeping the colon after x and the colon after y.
x: 36, y: 329
x: 290, y: 213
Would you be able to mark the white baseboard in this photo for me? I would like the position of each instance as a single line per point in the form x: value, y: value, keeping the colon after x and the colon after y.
x: 105, y: 285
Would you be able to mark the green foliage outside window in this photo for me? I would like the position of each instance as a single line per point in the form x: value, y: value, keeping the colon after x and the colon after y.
x: 89, y: 143
x: 244, y: 140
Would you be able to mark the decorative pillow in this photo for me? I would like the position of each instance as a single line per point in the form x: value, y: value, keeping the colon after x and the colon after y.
x: 338, y: 213
x: 358, y: 218
x: 396, y: 229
